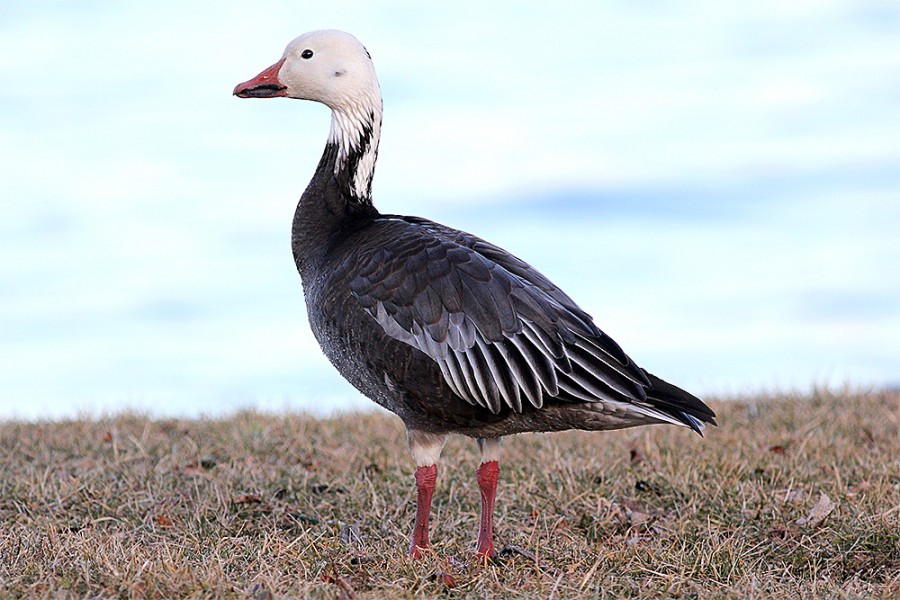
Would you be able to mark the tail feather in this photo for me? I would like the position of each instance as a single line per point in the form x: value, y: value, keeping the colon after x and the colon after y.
x: 681, y: 405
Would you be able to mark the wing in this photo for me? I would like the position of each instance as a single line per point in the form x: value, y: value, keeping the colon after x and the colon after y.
x: 501, y: 333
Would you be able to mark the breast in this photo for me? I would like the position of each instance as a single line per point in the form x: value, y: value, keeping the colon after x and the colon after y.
x: 393, y: 374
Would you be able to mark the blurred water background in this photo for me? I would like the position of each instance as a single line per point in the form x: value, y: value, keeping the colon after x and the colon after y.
x: 717, y: 183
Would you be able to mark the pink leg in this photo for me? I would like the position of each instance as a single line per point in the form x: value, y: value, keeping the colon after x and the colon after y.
x: 488, y: 474
x: 425, y: 480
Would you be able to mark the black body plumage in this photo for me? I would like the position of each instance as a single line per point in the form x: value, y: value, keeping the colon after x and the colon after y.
x: 454, y: 334
x: 448, y: 331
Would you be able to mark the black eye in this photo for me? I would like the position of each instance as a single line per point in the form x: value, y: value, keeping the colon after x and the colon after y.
x: 307, y: 54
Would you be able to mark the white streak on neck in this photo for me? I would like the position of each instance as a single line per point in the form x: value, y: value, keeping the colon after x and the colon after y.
x: 348, y: 125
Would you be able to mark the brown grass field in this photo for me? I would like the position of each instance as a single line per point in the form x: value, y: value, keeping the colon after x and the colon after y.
x: 791, y: 496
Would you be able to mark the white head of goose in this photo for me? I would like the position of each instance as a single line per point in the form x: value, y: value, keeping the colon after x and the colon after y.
x: 448, y: 331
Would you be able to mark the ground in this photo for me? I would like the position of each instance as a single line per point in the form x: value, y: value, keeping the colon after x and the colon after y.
x: 792, y: 496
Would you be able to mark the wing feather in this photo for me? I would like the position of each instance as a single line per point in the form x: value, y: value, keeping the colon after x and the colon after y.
x: 465, y: 368
x: 524, y: 378
x: 611, y: 377
x: 487, y: 388
x: 500, y: 372
x: 600, y: 350
x: 453, y: 378
x: 501, y: 333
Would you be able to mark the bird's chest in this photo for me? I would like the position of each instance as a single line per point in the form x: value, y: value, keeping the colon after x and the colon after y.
x: 389, y: 372
x: 352, y: 341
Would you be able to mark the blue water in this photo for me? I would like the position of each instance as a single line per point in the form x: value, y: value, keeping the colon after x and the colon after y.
x: 719, y: 187
x: 721, y: 297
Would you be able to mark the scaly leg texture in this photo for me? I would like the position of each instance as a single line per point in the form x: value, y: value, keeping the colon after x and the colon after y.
x: 488, y: 474
x: 425, y: 448
x: 425, y: 480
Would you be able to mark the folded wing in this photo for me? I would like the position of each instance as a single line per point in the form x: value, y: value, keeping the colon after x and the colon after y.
x: 502, y: 334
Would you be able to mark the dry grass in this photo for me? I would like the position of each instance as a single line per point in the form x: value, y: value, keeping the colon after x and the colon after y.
x: 263, y: 506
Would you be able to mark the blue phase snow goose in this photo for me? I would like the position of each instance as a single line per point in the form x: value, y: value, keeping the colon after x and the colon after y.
x: 448, y: 331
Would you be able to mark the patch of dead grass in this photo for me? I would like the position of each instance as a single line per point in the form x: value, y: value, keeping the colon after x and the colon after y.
x: 260, y: 506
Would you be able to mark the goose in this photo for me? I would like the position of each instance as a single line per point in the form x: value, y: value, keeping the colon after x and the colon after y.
x: 446, y: 330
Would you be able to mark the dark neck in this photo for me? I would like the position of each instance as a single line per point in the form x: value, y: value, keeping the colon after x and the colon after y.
x: 327, y: 209
x: 340, y: 192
